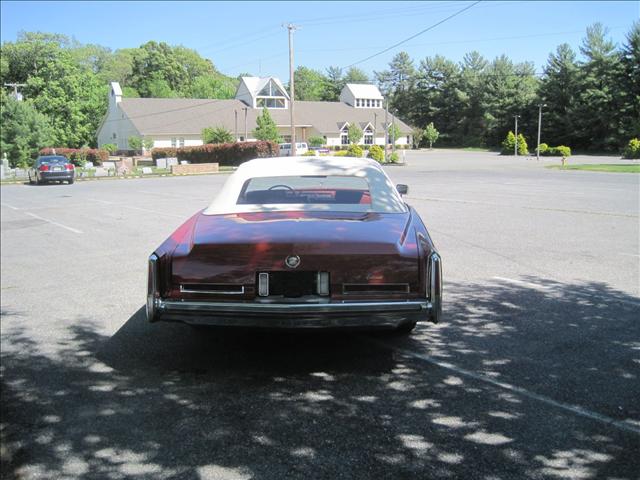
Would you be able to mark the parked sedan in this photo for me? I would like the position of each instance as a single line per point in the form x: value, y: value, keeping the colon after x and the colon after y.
x: 50, y: 168
x: 300, y: 242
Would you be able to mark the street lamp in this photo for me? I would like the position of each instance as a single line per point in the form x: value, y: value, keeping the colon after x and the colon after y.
x: 539, y: 128
x: 516, y: 145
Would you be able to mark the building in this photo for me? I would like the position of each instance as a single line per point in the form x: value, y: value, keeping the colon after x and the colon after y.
x: 178, y: 122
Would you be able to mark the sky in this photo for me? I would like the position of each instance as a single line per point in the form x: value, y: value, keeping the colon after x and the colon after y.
x: 249, y: 37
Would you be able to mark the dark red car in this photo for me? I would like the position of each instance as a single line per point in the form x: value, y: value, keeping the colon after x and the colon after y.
x: 303, y: 242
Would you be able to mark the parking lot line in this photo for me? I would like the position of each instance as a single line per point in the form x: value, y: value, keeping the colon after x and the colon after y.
x: 575, y: 409
x: 74, y: 230
x: 535, y: 286
x: 9, y: 206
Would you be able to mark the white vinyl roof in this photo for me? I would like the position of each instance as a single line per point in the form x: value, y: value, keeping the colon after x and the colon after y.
x: 364, y: 90
x: 384, y: 196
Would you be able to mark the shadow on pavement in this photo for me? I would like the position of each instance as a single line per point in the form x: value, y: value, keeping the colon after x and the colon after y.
x: 166, y: 401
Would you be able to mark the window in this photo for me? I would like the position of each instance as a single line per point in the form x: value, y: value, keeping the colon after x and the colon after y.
x: 344, y: 139
x: 173, y: 142
x: 182, y: 142
x: 114, y: 135
x: 368, y: 136
x: 270, y: 102
x: 271, y: 96
x: 357, y: 102
x: 316, y: 189
x: 368, y: 102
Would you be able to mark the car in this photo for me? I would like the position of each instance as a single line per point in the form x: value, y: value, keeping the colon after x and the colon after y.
x: 319, y: 150
x: 285, y: 149
x: 49, y: 168
x: 301, y: 243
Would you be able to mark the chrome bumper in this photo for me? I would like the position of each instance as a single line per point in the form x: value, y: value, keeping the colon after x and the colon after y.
x: 292, y: 315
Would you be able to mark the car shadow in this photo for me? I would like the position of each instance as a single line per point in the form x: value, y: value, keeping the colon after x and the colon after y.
x: 164, y: 400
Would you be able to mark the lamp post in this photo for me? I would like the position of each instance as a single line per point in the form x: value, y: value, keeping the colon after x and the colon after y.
x: 246, y: 109
x: 516, y: 145
x: 539, y: 128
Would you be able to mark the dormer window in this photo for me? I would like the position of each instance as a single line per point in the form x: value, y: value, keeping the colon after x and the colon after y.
x: 271, y: 96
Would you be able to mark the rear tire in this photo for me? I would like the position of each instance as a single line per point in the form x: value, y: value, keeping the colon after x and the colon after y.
x: 31, y: 180
x: 405, y: 328
x: 70, y: 181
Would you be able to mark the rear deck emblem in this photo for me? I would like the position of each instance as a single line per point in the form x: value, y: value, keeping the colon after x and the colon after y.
x: 292, y: 261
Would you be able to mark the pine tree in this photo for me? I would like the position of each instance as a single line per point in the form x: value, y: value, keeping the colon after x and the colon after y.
x: 266, y: 129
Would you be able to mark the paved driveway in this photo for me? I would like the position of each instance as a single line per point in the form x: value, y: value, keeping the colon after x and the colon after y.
x: 533, y: 374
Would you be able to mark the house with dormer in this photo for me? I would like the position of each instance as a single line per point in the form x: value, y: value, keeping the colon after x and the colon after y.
x: 178, y: 122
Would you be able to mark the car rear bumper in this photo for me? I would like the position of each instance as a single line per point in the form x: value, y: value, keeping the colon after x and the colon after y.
x: 381, y: 314
x: 50, y: 176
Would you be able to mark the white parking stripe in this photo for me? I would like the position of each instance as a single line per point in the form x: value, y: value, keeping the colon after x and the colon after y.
x: 575, y: 409
x: 630, y: 254
x: 520, y: 282
x: 74, y: 230
x: 9, y: 206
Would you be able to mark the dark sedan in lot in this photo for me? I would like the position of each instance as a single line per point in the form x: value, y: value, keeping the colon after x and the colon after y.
x: 51, y: 168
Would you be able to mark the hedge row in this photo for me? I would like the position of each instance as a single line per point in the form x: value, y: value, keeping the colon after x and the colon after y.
x: 633, y: 149
x: 346, y: 147
x: 79, y: 156
x: 225, y: 154
x: 559, y: 151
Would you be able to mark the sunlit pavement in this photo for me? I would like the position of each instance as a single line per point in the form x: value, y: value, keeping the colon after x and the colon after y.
x: 533, y: 374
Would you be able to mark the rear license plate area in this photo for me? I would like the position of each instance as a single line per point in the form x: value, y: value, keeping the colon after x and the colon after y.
x: 292, y: 284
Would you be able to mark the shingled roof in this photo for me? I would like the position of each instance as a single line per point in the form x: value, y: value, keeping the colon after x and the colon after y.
x: 184, y: 116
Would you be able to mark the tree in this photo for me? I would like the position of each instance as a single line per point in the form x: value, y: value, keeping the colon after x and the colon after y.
x: 334, y: 84
x: 147, y: 143
x: 316, y: 141
x: 109, y: 147
x: 417, y: 134
x: 431, y: 134
x: 355, y: 75
x: 354, y: 133
x: 217, y: 135
x: 24, y: 132
x: 394, y: 133
x: 398, y: 82
x: 266, y: 129
x: 310, y: 84
x: 509, y: 144
x: 629, y: 85
x: 135, y: 143
x: 209, y: 86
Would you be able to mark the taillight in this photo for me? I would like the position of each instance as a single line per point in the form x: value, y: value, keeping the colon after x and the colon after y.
x: 69, y: 166
x: 44, y: 168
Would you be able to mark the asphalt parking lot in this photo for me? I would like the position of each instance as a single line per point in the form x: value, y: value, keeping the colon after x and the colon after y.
x: 535, y: 372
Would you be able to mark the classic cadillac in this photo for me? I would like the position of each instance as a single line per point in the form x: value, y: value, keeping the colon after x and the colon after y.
x: 300, y: 242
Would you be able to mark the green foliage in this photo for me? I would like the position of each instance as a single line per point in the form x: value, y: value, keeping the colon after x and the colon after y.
x: 394, y: 158
x: 431, y: 134
x: 394, y: 133
x: 542, y: 148
x: 135, y: 143
x: 316, y: 141
x: 109, y: 147
x: 208, y: 86
x: 509, y: 143
x: 563, y: 151
x: 217, y: 135
x: 417, y: 134
x: 355, y: 151
x: 24, y: 131
x: 376, y: 153
x: 309, y: 84
x: 633, y: 149
x: 266, y: 129
x: 560, y: 151
x: 354, y: 133
x: 309, y: 153
x: 341, y: 153
x: 79, y: 156
x: 147, y: 144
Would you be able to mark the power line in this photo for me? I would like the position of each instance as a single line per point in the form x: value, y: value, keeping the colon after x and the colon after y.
x: 416, y: 35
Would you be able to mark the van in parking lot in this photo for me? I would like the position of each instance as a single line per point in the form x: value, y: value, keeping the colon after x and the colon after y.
x: 285, y: 149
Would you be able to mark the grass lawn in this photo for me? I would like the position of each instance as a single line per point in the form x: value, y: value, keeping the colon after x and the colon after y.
x: 602, y: 167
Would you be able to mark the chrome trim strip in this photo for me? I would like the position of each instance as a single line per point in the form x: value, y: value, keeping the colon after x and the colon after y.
x: 372, y: 292
x: 263, y: 284
x: 435, y: 286
x: 152, y: 288
x: 214, y: 292
x: 292, y: 308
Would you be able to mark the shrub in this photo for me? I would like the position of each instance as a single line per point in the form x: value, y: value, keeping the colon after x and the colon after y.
x: 431, y: 134
x: 164, y: 153
x: 79, y: 156
x: 341, y: 153
x: 509, y: 143
x: 632, y: 149
x: 355, y: 151
x: 217, y: 135
x: 135, y: 143
x: 110, y: 147
x: 542, y: 148
x: 316, y: 141
x: 147, y: 143
x: 309, y: 153
x: 228, y: 154
x: 376, y: 153
x: 393, y: 158
x: 561, y: 151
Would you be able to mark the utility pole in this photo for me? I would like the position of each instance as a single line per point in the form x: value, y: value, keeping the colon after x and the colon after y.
x: 236, y: 115
x: 375, y: 122
x: 393, y: 133
x: 292, y: 28
x: 386, y: 128
x: 539, y: 128
x: 516, y: 145
x: 17, y: 95
x: 245, y: 123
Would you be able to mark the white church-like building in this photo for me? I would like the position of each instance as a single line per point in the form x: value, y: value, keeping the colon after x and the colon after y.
x: 178, y: 122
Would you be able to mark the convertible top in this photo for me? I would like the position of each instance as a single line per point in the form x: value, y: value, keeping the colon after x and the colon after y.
x: 384, y: 196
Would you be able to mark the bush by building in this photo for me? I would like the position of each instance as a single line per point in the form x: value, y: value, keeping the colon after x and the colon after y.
x: 316, y: 141
x: 228, y: 154
x: 355, y: 151
x: 79, y: 156
x: 509, y: 144
x: 376, y: 153
x: 164, y: 153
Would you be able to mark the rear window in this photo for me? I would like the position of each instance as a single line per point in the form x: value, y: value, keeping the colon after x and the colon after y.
x: 316, y: 189
x: 52, y: 159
